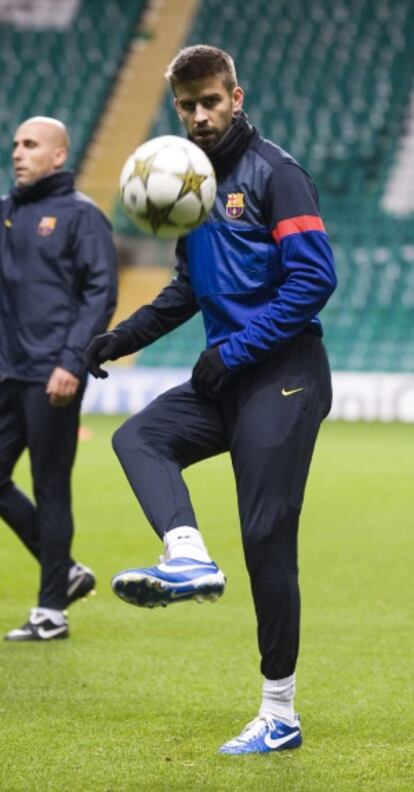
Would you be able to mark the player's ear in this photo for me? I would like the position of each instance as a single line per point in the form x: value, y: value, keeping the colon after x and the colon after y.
x: 237, y: 98
x: 59, y: 157
x: 177, y: 107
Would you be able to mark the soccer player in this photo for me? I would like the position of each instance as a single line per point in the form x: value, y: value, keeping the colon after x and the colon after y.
x: 260, y: 270
x: 57, y: 290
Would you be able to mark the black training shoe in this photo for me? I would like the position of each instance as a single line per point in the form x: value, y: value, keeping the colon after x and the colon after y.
x: 81, y: 582
x: 39, y: 628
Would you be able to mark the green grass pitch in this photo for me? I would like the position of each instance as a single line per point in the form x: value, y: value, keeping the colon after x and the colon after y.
x: 141, y: 700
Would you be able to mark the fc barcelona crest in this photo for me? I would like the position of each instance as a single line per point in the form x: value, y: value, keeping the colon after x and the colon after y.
x: 235, y: 205
x: 46, y: 226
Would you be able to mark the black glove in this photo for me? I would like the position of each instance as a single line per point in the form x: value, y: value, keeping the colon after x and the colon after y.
x: 209, y: 373
x: 107, y: 346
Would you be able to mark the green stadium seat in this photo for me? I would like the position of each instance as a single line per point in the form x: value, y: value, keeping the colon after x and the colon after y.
x: 66, y: 74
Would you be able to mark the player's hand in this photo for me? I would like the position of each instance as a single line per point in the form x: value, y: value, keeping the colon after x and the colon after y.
x: 107, y: 346
x: 61, y: 387
x: 209, y: 373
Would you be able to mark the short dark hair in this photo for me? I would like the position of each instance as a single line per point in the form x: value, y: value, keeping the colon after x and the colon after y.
x: 199, y: 63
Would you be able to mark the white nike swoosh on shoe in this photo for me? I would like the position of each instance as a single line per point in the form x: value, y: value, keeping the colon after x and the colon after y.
x: 272, y: 742
x: 51, y: 633
x: 180, y: 594
x: 213, y: 579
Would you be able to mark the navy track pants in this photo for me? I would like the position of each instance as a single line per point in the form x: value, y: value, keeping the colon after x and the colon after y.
x: 50, y: 434
x: 267, y: 417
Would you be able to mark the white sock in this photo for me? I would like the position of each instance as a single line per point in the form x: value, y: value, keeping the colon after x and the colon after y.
x: 278, y: 699
x: 56, y: 616
x: 185, y: 542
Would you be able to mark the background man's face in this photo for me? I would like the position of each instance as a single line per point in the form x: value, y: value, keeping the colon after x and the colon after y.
x: 37, y: 152
x: 206, y: 109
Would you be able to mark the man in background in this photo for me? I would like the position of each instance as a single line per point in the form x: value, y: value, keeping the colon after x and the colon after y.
x: 57, y: 289
x: 260, y: 269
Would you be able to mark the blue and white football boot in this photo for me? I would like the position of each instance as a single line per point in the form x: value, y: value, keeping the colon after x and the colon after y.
x: 263, y: 735
x: 173, y: 580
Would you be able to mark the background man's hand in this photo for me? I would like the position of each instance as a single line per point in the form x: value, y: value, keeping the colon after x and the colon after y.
x: 61, y: 387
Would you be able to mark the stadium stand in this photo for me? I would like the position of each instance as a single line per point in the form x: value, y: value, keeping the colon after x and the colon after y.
x: 65, y: 73
x: 136, y: 95
x: 126, y: 120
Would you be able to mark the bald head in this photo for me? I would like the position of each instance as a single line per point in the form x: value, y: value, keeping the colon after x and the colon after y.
x: 40, y: 147
x: 50, y: 127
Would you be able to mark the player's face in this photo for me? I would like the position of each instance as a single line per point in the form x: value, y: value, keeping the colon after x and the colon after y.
x: 206, y: 108
x: 35, y: 153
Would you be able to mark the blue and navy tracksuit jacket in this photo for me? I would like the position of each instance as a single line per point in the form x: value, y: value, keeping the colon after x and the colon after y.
x: 260, y: 268
x: 58, y: 276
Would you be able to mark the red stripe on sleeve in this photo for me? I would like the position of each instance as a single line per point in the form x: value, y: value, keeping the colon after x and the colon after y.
x: 297, y: 225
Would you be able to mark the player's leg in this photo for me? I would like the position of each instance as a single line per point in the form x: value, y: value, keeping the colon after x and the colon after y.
x: 154, y: 446
x: 272, y: 442
x: 16, y: 509
x: 52, y: 434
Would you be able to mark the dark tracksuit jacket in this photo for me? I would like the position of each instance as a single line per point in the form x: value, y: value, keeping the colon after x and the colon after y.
x: 259, y: 269
x: 58, y: 277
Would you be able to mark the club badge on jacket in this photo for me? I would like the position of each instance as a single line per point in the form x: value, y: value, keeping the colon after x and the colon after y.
x: 46, y: 226
x: 235, y: 205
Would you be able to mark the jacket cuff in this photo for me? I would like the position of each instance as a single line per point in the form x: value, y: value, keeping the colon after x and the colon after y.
x: 125, y: 344
x: 71, y: 362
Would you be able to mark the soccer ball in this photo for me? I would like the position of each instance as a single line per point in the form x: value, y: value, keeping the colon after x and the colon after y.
x: 168, y: 186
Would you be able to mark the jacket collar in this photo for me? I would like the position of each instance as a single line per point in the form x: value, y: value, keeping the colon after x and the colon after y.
x: 59, y: 183
x: 232, y: 145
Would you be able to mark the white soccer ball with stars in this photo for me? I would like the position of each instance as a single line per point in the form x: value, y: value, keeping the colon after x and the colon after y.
x: 168, y: 186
